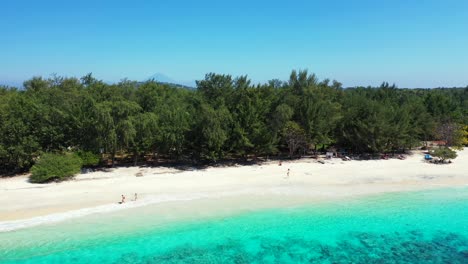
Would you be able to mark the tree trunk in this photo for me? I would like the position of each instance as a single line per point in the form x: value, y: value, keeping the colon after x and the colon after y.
x: 135, y: 158
x: 291, y: 150
x: 155, y: 157
x: 113, y: 158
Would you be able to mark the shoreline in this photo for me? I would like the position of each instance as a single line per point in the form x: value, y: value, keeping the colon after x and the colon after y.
x: 193, y: 207
x: 26, y: 204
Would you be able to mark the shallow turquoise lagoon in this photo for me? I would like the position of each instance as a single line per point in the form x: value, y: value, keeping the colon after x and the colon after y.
x: 414, y: 227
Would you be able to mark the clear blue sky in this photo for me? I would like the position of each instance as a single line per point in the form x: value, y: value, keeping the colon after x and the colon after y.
x: 411, y: 43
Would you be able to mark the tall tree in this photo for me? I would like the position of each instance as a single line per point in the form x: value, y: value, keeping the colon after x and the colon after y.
x: 115, y: 127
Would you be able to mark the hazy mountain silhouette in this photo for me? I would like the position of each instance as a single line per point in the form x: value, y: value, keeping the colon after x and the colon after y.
x: 162, y: 78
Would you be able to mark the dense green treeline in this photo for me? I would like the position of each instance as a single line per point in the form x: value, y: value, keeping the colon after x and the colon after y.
x: 224, y: 117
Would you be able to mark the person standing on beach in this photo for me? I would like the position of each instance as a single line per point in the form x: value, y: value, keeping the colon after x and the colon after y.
x: 136, y: 196
x: 123, y: 199
x: 287, y: 174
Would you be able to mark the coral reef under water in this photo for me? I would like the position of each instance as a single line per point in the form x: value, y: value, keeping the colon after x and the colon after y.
x: 405, y: 247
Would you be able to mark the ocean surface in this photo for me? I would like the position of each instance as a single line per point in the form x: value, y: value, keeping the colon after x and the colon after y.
x: 411, y: 227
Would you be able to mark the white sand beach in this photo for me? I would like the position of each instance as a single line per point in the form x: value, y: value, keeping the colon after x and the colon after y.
x: 224, y: 187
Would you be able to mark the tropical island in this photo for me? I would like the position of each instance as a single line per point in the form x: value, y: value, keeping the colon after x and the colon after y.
x: 243, y: 132
x: 226, y: 136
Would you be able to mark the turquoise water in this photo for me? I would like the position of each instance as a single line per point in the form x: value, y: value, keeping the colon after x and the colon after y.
x: 414, y: 227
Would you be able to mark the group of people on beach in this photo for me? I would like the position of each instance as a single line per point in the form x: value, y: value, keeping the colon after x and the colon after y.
x: 123, y: 198
x: 136, y: 195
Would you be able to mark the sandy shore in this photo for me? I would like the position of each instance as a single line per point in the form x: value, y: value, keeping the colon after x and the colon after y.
x: 308, y: 181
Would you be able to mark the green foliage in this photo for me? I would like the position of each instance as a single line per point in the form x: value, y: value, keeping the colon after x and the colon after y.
x: 295, y: 137
x: 453, y: 134
x: 88, y: 159
x: 20, y: 131
x: 445, y: 153
x: 225, y: 117
x: 146, y: 129
x: 55, y: 167
x: 464, y: 135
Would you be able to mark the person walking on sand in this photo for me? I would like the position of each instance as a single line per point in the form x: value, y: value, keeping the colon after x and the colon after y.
x: 123, y: 199
x: 287, y: 174
x: 136, y: 196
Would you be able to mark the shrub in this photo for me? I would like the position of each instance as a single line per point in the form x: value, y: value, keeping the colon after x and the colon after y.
x: 55, y: 167
x: 444, y: 153
x: 88, y: 158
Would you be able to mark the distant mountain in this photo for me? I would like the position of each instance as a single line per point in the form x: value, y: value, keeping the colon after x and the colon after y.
x: 191, y: 84
x: 162, y: 78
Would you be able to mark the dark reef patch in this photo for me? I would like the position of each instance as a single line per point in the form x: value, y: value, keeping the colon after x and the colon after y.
x: 398, y: 247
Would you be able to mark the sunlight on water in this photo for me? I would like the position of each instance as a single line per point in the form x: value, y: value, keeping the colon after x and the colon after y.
x: 417, y: 227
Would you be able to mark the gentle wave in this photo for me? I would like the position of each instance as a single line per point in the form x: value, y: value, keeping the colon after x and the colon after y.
x: 7, y: 226
x: 59, y: 217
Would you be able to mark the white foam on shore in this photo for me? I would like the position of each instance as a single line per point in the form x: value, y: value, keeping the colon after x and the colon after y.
x: 282, y: 191
x: 7, y: 226
x: 59, y: 217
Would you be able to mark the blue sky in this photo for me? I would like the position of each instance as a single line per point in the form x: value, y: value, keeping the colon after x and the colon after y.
x: 359, y: 42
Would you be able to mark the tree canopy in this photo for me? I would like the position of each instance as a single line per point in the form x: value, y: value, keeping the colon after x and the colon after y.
x: 225, y: 117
